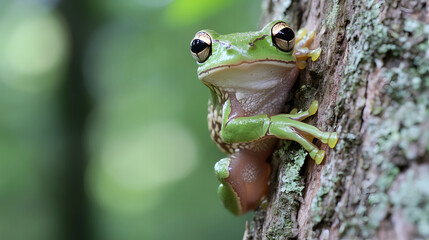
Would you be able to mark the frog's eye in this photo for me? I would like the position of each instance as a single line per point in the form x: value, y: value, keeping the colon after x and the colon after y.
x: 201, y: 46
x: 283, y: 36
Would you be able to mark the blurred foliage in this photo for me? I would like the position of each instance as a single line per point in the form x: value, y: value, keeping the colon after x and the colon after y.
x: 149, y: 162
x: 190, y: 11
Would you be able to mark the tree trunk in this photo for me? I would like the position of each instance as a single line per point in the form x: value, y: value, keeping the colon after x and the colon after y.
x: 372, y: 83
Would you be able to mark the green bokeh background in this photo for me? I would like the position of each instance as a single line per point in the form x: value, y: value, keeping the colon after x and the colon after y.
x: 103, y: 131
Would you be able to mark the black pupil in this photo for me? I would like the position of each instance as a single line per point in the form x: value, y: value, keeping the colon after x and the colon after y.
x: 286, y: 34
x: 198, y: 45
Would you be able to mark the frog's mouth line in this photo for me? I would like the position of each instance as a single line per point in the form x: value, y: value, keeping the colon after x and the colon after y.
x: 286, y: 64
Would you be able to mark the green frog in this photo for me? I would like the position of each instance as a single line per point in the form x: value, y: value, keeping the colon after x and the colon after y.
x: 250, y: 76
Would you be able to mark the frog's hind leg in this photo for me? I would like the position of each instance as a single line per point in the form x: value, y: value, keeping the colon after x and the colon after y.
x: 244, y: 176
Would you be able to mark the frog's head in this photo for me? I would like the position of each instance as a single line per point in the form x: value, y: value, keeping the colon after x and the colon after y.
x: 242, y: 55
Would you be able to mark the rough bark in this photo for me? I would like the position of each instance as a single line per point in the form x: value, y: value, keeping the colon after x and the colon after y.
x: 372, y: 83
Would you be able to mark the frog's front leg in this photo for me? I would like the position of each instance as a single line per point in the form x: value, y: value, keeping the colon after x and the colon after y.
x: 286, y: 128
x: 283, y: 126
x: 244, y: 175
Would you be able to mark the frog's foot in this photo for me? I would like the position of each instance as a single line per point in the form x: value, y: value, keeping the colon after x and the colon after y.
x: 299, y: 116
x: 293, y: 111
x: 317, y: 155
x: 303, y: 38
x: 315, y: 54
x: 331, y: 138
x: 300, y: 35
x: 302, y: 52
x: 302, y: 133
x: 313, y: 107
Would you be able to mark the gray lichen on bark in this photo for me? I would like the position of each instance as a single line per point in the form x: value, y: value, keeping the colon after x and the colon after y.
x: 372, y: 82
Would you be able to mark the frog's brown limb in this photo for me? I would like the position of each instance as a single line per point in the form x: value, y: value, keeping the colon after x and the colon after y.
x: 249, y: 175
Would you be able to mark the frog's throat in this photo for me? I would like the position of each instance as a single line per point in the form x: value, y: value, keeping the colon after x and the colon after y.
x: 273, y: 62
